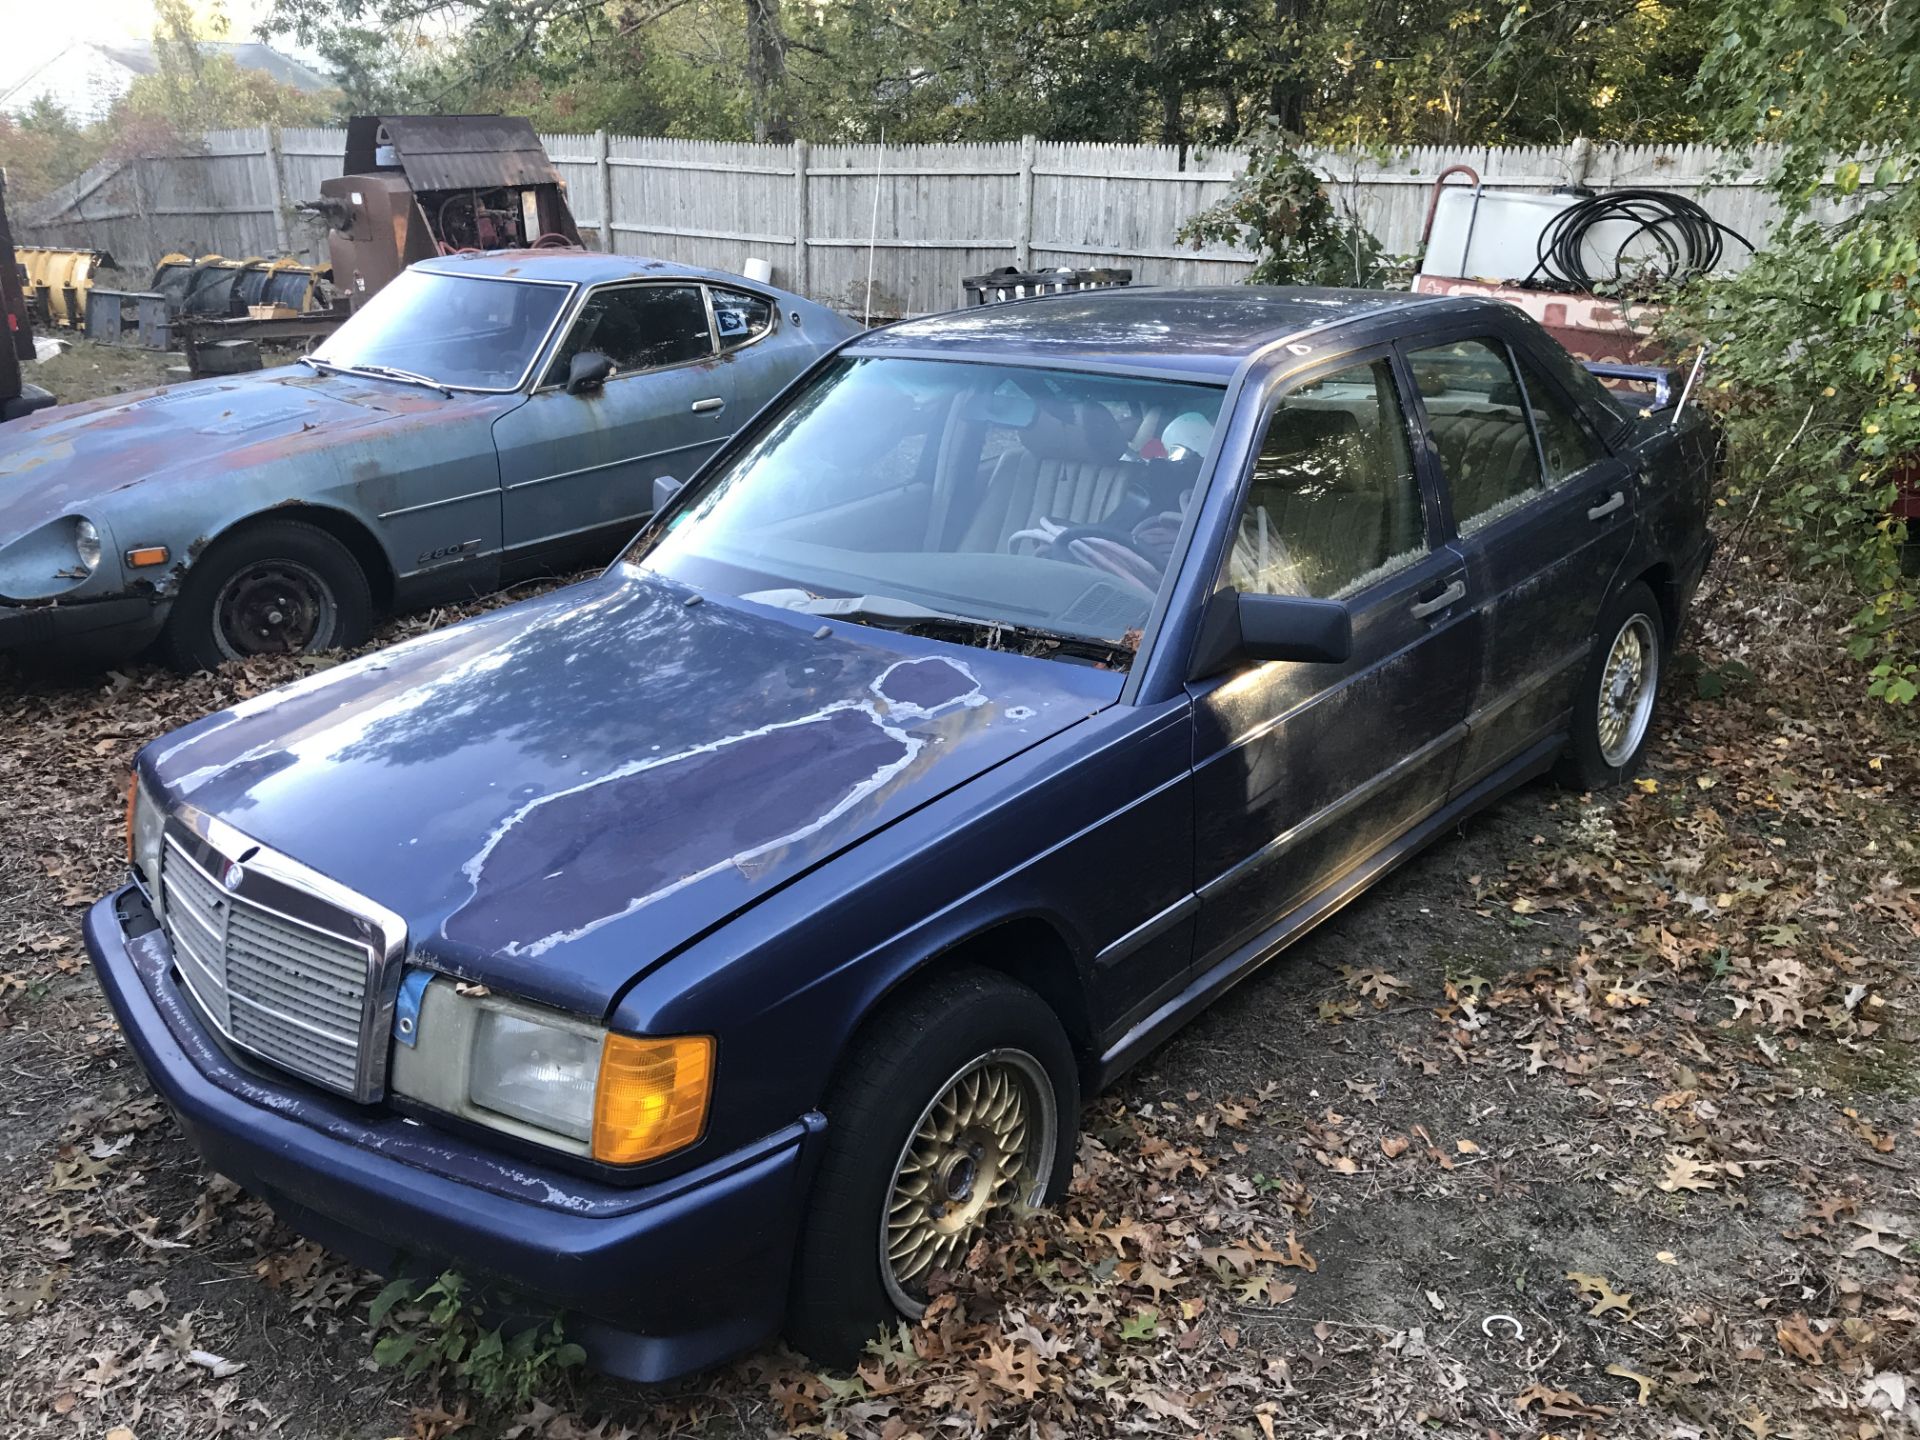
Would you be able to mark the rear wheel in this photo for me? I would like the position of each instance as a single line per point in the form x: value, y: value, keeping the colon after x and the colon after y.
x: 1613, y: 711
x: 960, y: 1105
x: 276, y: 587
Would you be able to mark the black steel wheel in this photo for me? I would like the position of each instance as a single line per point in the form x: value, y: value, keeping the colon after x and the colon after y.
x: 276, y: 587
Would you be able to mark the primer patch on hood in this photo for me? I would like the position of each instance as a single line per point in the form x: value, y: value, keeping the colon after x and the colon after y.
x: 594, y: 853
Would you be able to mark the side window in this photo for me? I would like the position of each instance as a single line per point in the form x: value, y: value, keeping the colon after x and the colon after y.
x: 1479, y: 420
x: 638, y: 327
x: 1565, y: 438
x: 1333, y: 505
x: 740, y: 317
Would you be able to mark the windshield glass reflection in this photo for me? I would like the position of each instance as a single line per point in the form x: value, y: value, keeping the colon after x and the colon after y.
x: 910, y: 493
x: 463, y: 331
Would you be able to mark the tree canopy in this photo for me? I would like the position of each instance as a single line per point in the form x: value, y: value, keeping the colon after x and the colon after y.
x: 1366, y: 72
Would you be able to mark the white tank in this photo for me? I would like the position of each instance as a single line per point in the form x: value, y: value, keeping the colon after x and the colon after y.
x: 1497, y: 240
x: 1501, y: 239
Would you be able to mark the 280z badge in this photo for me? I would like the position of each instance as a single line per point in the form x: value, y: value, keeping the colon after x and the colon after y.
x: 446, y: 552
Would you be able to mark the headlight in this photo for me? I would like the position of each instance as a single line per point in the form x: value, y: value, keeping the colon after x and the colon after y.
x: 86, y: 543
x: 535, y: 1072
x: 146, y: 825
x: 552, y: 1078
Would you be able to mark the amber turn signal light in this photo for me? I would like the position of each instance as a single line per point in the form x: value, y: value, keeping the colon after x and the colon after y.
x: 142, y: 556
x: 133, y: 793
x: 652, y: 1097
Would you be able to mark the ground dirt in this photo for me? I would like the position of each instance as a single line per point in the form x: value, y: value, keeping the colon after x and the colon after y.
x: 1597, y: 1118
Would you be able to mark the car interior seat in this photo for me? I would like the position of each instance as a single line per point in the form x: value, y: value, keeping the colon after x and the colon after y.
x: 1483, y: 449
x: 1069, y: 467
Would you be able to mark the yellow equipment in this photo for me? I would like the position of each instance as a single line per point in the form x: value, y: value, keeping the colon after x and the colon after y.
x: 59, y: 277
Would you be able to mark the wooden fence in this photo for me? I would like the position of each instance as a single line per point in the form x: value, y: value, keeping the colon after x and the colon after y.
x: 890, y: 227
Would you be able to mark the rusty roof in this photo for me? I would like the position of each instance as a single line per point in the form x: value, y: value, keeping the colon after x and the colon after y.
x: 453, y: 152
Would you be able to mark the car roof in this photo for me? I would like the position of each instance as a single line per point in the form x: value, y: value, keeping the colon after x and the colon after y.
x: 1199, y: 332
x: 577, y: 267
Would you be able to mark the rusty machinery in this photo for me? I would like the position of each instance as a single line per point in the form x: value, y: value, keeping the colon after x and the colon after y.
x: 214, y: 287
x: 57, y: 279
x: 422, y: 185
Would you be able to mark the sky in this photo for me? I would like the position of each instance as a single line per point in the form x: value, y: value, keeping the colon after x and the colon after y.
x: 35, y: 31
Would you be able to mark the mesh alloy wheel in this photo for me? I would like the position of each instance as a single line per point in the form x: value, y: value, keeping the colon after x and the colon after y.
x: 1627, y: 687
x: 983, y: 1145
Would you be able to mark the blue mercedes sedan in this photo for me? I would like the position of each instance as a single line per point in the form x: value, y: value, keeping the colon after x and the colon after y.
x: 712, y: 948
x: 482, y: 419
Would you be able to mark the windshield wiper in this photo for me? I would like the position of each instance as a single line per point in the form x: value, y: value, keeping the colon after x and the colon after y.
x: 405, y: 377
x: 380, y: 372
x: 889, y: 612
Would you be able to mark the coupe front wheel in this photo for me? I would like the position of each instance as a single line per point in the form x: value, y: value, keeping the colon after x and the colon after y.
x: 278, y: 587
x: 1613, y: 712
x: 959, y: 1106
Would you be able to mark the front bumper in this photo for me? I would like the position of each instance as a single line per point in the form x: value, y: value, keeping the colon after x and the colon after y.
x: 119, y: 626
x: 654, y: 1281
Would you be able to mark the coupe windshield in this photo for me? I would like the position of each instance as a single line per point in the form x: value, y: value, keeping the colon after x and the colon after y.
x: 457, y: 330
x: 1005, y: 506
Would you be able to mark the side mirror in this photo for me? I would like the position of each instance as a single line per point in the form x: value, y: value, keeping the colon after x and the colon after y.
x: 1241, y: 627
x: 665, y: 487
x: 587, y: 371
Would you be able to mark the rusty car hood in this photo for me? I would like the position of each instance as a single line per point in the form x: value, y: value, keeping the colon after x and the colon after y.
x: 60, y: 459
x: 558, y: 794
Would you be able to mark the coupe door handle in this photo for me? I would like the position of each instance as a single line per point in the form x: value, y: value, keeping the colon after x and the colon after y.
x: 1455, y: 592
x: 1607, y: 506
x: 712, y: 402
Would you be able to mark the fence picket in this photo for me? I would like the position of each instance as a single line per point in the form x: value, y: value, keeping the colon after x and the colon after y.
x: 943, y: 210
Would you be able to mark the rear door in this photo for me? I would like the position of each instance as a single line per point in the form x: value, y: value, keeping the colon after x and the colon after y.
x: 1543, y: 513
x: 577, y: 471
x: 1302, y: 771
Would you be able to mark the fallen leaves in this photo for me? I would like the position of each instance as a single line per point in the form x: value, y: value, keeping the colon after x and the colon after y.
x: 1557, y: 1404
x: 1601, y: 1292
x: 1684, y: 1173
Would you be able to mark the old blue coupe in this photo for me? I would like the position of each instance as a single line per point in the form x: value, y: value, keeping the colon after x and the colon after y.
x: 483, y: 418
x: 713, y: 947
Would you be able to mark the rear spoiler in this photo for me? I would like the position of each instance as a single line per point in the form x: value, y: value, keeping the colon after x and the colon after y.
x: 1658, y: 376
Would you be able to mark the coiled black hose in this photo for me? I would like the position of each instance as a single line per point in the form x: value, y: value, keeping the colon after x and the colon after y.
x: 1690, y: 241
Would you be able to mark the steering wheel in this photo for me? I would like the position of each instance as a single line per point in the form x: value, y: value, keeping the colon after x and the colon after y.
x: 1059, y: 548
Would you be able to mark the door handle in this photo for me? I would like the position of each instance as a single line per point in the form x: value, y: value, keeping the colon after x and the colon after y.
x: 712, y: 402
x: 1606, y: 507
x: 1455, y: 592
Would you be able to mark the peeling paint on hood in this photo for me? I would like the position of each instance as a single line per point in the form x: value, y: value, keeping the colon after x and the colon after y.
x: 559, y: 793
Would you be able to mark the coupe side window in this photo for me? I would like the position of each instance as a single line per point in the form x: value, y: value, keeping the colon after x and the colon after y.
x: 638, y: 327
x: 1333, y: 505
x: 1479, y: 420
x: 740, y: 317
x: 1565, y: 439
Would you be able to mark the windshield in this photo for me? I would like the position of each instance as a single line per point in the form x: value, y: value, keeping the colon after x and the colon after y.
x: 1028, y: 498
x: 458, y: 330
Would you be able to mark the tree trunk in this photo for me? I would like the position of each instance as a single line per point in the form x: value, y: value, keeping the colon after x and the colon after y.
x: 1172, y: 132
x: 1287, y: 98
x: 767, y: 73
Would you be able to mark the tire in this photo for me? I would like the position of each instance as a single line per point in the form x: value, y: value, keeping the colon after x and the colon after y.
x: 1605, y: 750
x: 905, y: 1060
x: 234, y: 603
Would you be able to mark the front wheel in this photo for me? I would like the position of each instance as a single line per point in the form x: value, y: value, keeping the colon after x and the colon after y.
x: 1613, y: 711
x: 275, y: 587
x: 960, y: 1105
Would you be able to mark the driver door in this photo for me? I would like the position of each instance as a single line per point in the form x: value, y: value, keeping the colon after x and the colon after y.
x: 1303, y: 772
x: 577, y: 470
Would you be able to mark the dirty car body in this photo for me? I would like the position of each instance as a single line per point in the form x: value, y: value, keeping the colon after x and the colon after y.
x: 434, y: 441
x: 1201, y: 611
